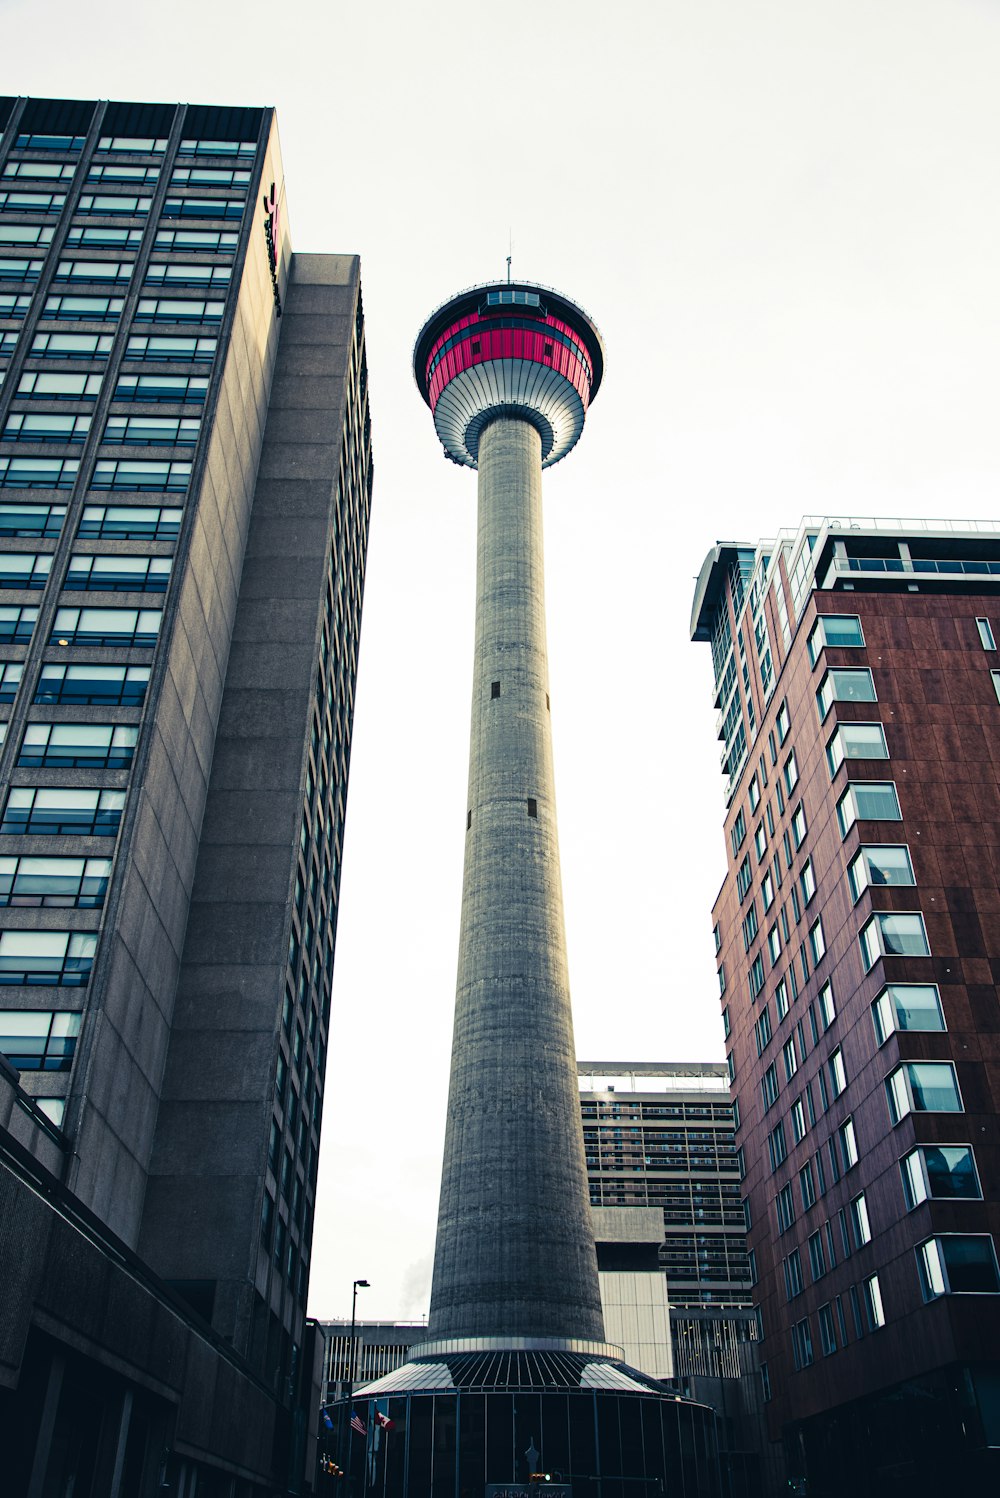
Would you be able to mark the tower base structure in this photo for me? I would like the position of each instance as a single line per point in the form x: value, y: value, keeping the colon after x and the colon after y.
x: 495, y: 1423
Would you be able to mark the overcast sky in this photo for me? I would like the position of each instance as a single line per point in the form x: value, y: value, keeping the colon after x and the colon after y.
x: 784, y: 215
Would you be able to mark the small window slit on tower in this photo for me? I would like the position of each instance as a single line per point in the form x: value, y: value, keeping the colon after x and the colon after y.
x: 468, y: 820
x: 532, y: 807
x: 548, y: 704
x: 494, y: 689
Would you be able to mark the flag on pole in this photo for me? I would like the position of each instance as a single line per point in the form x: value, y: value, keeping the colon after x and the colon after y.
x: 326, y: 1420
x: 358, y: 1424
x: 382, y: 1420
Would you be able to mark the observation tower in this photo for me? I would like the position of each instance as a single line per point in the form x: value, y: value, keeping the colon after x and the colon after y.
x: 515, y: 1375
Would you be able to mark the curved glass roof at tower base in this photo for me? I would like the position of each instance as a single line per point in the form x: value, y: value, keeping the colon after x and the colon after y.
x: 601, y: 1429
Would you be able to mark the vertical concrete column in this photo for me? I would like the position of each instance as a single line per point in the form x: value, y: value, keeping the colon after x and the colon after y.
x: 515, y: 1251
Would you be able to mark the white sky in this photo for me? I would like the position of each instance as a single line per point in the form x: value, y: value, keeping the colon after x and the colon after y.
x: 784, y: 215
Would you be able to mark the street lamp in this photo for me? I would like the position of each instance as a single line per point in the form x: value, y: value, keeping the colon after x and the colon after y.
x: 351, y: 1360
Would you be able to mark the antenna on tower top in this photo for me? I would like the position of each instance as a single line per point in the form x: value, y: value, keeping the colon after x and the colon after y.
x: 510, y: 247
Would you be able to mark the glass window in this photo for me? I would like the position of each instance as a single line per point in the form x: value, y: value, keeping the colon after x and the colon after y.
x: 744, y: 877
x: 162, y: 346
x: 210, y: 208
x: 49, y: 427
x: 873, y: 1303
x: 856, y: 741
x: 31, y: 520
x: 773, y: 945
x: 848, y: 1144
x: 880, y: 864
x: 755, y: 977
x: 762, y: 1030
x: 767, y: 890
x: 944, y: 1172
x: 23, y: 235
x: 799, y: 825
x: 135, y: 144
x: 769, y: 1087
x: 754, y: 793
x: 137, y: 473
x: 907, y: 1006
x: 59, y: 882
x: 760, y: 842
x: 127, y: 627
x: 130, y: 523
x: 817, y: 941
x: 195, y: 241
x: 859, y: 1220
x: 798, y: 1117
x: 62, y: 811
x: 188, y: 388
x: 783, y: 722
x: 827, y: 1334
x: 922, y: 1087
x: 94, y: 270
x: 38, y: 1039
x: 152, y: 430
x: 750, y: 926
x: 781, y: 999
x: 38, y: 473
x: 802, y: 1346
x: 174, y: 309
x: 848, y: 684
x: 892, y: 933
x: 40, y: 385
x: 16, y: 625
x: 88, y: 684
x: 89, y: 309
x: 79, y: 745
x: 817, y: 1258
x: 838, y: 1075
x: 117, y: 574
x: 986, y: 634
x: 868, y: 801
x: 958, y: 1264
x: 62, y: 958
x: 777, y: 1147
x: 826, y: 1007
x: 793, y: 1275
x: 791, y: 773
x: 10, y: 679
x: 790, y: 1058
x: 218, y: 148
x: 807, y: 881
x: 807, y: 1186
x: 19, y: 270
x: 785, y: 1207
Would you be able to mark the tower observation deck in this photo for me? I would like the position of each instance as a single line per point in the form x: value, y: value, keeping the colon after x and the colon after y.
x: 515, y: 1375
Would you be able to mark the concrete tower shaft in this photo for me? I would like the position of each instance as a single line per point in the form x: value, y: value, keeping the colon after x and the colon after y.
x: 515, y: 1252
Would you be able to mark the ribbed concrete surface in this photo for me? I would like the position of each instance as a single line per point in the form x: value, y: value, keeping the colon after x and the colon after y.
x: 515, y: 1250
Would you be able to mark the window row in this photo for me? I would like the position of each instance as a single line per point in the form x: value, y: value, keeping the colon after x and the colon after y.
x: 97, y: 346
x: 107, y: 522
x: 41, y: 385
x: 103, y: 574
x: 124, y: 473
x: 119, y: 430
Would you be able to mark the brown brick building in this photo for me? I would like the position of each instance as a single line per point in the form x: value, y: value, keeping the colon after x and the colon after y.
x: 858, y: 936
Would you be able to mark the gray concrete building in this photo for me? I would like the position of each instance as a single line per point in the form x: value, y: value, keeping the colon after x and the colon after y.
x: 185, y: 483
